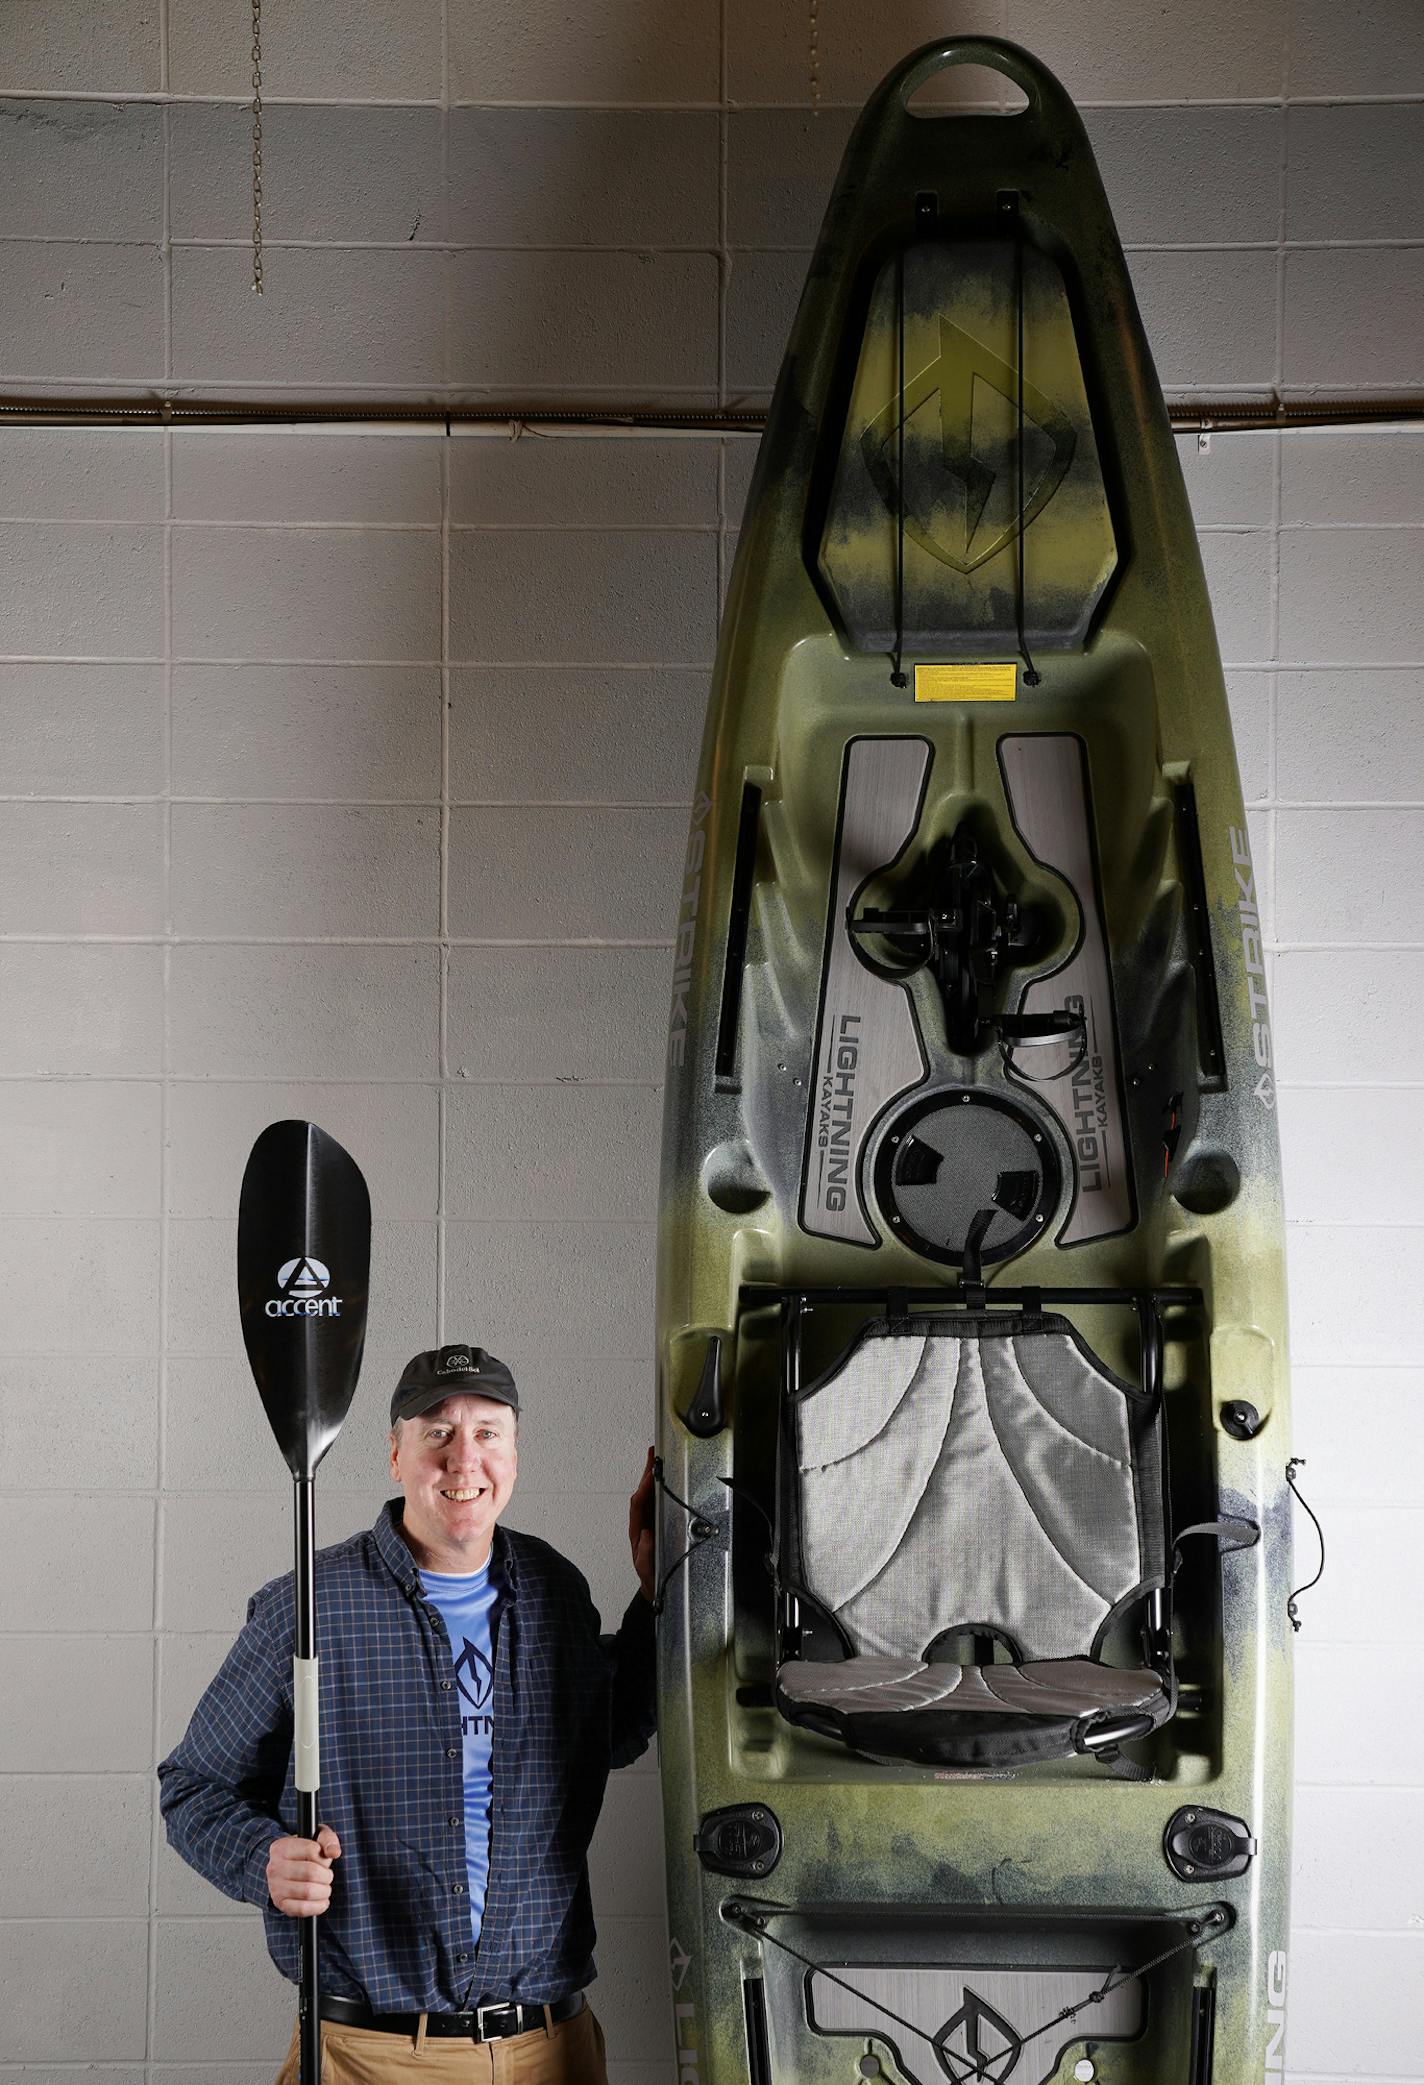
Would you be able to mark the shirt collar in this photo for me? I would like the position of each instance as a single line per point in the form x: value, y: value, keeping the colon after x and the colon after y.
x: 391, y: 1545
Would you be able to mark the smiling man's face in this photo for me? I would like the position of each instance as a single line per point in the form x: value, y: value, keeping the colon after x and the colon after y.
x: 456, y: 1465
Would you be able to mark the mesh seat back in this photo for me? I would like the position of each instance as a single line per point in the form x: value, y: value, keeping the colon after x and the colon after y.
x: 974, y: 1473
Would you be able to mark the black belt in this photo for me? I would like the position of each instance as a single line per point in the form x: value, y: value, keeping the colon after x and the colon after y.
x: 487, y: 2023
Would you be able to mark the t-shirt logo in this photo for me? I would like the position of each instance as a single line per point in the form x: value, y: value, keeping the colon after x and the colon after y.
x: 475, y: 1674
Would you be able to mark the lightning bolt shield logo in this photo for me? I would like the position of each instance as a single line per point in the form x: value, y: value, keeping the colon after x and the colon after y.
x: 977, y: 412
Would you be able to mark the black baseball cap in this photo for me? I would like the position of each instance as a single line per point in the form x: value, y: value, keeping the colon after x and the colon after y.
x: 443, y: 1372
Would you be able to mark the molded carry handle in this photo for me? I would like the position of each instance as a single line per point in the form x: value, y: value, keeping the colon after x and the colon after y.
x: 989, y: 51
x: 887, y: 117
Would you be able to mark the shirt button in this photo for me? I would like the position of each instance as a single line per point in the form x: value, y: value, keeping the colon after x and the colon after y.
x: 452, y: 1751
x: 462, y: 1958
x: 447, y: 1685
x: 455, y: 1823
x: 459, y: 1888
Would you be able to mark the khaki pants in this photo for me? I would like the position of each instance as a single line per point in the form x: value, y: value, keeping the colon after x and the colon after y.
x: 571, y: 2053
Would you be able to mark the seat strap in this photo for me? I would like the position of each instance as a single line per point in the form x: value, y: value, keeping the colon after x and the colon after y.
x: 1125, y: 1769
x: 971, y: 1271
x: 1247, y: 1534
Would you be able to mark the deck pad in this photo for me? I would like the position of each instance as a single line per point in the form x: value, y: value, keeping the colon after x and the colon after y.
x: 1046, y: 781
x: 868, y: 1048
x: 977, y: 2021
x: 953, y: 425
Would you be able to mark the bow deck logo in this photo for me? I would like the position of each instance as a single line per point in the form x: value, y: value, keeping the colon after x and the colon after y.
x: 947, y: 448
x: 303, y: 1283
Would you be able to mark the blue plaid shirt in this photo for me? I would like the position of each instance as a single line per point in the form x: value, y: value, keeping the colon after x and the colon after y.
x: 569, y: 1705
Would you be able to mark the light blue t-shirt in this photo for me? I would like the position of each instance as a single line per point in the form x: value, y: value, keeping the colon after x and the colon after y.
x: 469, y: 1607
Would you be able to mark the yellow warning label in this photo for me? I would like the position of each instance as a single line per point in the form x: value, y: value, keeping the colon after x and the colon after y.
x: 978, y: 683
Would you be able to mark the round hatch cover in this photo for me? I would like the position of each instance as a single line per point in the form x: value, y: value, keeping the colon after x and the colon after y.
x: 954, y: 1152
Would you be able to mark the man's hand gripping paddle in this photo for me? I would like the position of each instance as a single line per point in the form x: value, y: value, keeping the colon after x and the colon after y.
x: 303, y: 1268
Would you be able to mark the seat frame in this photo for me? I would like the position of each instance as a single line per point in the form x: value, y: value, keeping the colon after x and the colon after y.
x: 1100, y: 1736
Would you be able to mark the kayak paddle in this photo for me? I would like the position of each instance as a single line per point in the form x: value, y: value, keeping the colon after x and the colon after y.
x: 303, y: 1268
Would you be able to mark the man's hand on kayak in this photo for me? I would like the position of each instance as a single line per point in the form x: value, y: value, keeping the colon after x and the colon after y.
x: 641, y: 1508
x: 299, y: 1873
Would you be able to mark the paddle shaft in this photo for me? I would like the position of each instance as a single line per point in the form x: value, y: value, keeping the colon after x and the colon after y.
x: 308, y: 1765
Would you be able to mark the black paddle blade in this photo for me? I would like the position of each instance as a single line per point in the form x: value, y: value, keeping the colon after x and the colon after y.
x: 303, y: 1267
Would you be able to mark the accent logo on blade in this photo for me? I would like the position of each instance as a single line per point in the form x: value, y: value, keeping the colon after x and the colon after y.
x: 302, y: 1283
x: 979, y: 2037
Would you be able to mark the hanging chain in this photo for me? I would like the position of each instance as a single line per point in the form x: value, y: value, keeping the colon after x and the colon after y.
x: 814, y: 55
x: 257, y: 146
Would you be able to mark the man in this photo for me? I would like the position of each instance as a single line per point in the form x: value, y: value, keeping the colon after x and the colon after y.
x: 470, y: 1713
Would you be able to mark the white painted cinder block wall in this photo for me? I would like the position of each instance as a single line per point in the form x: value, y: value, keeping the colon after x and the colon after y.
x: 346, y: 776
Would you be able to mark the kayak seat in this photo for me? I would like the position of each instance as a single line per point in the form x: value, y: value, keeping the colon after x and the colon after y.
x: 1053, y: 1687
x: 968, y: 1505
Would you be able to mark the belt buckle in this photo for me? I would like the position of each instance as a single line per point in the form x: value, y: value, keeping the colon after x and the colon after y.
x: 479, y: 2034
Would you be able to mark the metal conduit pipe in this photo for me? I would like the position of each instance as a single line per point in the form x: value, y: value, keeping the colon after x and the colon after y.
x: 1187, y: 415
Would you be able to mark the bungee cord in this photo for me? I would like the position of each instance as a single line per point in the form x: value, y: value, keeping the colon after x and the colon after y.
x: 898, y: 678
x: 700, y: 1530
x: 1297, y: 1462
x: 1031, y: 674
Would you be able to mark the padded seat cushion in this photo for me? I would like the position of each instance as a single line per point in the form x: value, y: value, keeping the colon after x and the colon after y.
x: 981, y: 1473
x: 968, y: 1715
x: 901, y: 1686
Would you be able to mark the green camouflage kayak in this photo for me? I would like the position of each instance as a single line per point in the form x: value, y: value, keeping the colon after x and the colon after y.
x: 973, y: 1423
